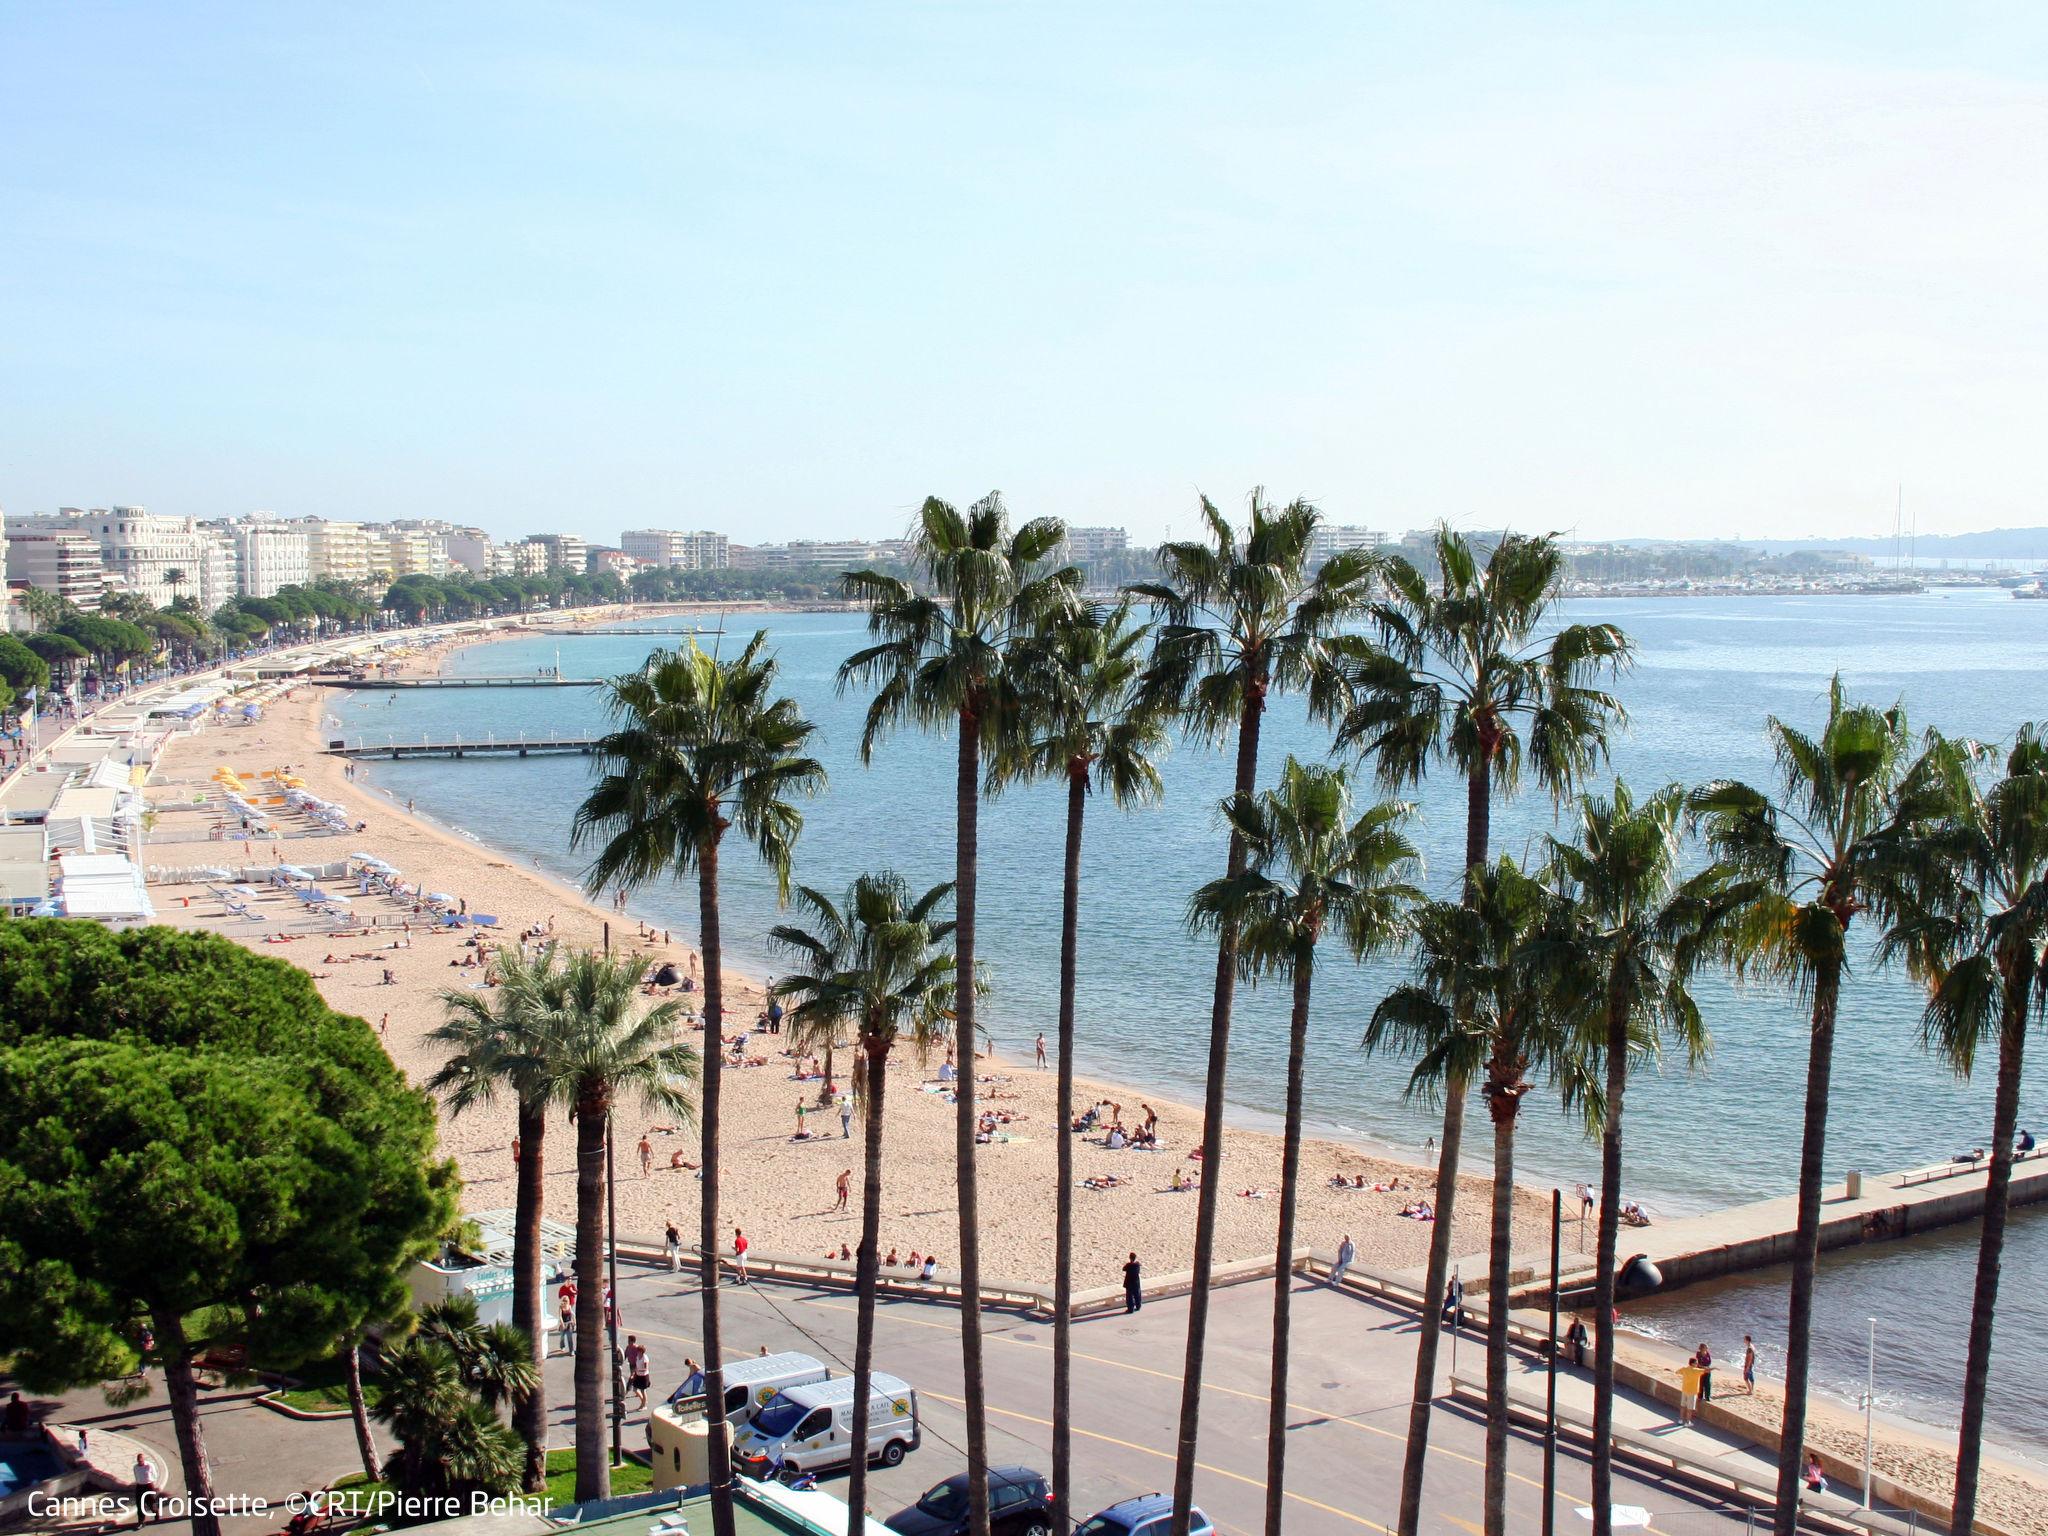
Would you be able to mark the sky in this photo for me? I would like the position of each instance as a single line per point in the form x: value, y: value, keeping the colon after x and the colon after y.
x: 784, y: 270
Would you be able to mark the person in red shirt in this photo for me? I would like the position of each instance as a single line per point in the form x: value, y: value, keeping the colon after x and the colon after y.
x: 739, y: 1253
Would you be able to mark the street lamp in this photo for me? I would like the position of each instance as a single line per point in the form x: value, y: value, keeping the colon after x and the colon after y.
x: 1869, y: 1401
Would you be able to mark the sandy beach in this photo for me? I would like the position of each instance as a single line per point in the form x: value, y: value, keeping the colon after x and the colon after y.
x: 780, y: 1189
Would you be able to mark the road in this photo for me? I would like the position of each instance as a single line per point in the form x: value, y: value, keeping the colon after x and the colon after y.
x: 1347, y: 1405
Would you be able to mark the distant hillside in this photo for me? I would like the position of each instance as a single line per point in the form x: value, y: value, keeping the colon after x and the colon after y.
x: 1991, y: 544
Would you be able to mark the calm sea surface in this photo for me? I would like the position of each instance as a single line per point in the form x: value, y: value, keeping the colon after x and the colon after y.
x: 1709, y: 671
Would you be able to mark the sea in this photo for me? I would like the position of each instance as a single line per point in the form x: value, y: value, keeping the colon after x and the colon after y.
x: 1707, y: 673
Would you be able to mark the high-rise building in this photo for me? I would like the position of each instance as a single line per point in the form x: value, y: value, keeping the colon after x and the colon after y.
x: 568, y: 552
x: 836, y: 554
x: 528, y: 557
x: 157, y: 557
x: 408, y: 549
x: 63, y: 561
x: 1335, y: 538
x: 469, y: 548
x: 269, y: 554
x: 698, y: 551
x: 337, y: 551
x: 1084, y: 544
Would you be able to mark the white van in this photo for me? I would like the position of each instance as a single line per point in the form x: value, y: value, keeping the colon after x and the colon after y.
x: 810, y: 1428
x: 751, y: 1384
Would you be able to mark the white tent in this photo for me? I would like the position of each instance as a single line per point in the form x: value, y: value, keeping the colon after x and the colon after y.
x: 103, y: 885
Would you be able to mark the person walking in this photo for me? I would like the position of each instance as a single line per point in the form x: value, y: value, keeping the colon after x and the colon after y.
x: 1749, y: 1364
x: 739, y: 1253
x: 846, y: 1117
x: 144, y: 1479
x: 1041, y: 1048
x: 672, y: 1245
x: 566, y: 1316
x: 1705, y: 1357
x: 845, y: 1188
x: 646, y: 1156
x: 1347, y: 1251
x: 1134, y: 1289
x: 1454, y: 1302
x: 800, y: 1112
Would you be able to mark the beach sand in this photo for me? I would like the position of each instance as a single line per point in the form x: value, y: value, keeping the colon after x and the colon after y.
x: 779, y: 1189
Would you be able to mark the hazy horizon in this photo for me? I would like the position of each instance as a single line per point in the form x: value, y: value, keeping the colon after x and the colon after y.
x: 783, y: 272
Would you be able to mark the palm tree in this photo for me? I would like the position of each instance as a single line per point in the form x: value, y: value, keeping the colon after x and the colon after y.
x: 1097, y: 727
x: 598, y: 1053
x: 1478, y: 1004
x: 875, y: 960
x: 496, y: 1358
x: 1634, y: 928
x: 494, y: 1044
x: 700, y: 745
x: 1239, y: 619
x: 960, y: 654
x: 448, y: 1440
x: 1466, y: 668
x: 1844, y: 836
x: 1981, y: 957
x: 1309, y: 869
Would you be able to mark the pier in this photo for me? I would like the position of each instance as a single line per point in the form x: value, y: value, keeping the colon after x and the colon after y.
x: 563, y: 634
x: 458, y: 746
x: 1863, y: 1209
x: 535, y: 680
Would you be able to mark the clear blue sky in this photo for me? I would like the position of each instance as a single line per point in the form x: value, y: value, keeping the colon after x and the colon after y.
x: 784, y: 270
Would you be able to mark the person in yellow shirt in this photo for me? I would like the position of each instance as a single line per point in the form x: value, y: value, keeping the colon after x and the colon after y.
x: 1689, y: 1377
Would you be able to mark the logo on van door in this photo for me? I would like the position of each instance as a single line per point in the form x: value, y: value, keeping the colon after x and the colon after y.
x: 901, y: 1407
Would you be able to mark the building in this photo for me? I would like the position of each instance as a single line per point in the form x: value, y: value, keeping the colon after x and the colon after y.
x: 528, y: 557
x: 841, y: 554
x: 1335, y: 538
x: 469, y: 548
x: 63, y: 561
x: 406, y: 549
x: 616, y: 561
x: 698, y: 551
x: 566, y: 552
x: 1085, y: 544
x: 269, y: 554
x: 338, y: 551
x: 157, y: 557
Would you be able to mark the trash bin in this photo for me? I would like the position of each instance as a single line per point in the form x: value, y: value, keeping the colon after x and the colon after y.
x: 1854, y: 1183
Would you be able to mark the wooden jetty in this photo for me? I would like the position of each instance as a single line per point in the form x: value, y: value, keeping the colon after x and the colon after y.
x: 563, y: 634
x: 459, y: 746
x: 1861, y: 1209
x: 536, y: 680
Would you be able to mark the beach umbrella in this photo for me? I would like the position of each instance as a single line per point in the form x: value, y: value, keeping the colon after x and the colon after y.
x: 294, y: 872
x: 441, y: 898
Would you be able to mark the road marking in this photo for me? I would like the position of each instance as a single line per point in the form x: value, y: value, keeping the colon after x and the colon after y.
x: 1203, y: 1466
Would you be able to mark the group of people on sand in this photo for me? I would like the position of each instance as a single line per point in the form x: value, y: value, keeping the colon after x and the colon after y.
x: 1144, y: 1136
x: 926, y: 1264
x: 1382, y: 1186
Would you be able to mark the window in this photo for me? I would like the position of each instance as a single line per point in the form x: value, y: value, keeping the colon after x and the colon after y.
x: 814, y: 1424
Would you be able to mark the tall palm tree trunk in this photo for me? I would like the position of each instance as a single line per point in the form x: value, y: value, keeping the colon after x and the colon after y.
x: 593, y: 1465
x: 1063, y: 1195
x: 867, y: 1272
x: 1478, y: 826
x: 1499, y: 1254
x: 2005, y: 1114
x: 1820, y: 1061
x: 1206, y: 1210
x: 359, y: 1406
x: 1283, y: 1248
x: 530, y: 1412
x: 1604, y: 1276
x: 182, y: 1388
x: 966, y: 866
x: 709, y: 1098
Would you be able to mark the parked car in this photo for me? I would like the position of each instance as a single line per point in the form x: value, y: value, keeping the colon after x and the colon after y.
x: 1149, y: 1514
x: 1019, y: 1504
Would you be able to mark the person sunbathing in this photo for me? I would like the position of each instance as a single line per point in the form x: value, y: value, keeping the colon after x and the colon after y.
x: 677, y: 1160
x: 890, y: 1262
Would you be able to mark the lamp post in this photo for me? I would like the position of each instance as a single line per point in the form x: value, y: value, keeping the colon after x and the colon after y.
x: 1869, y: 1403
x: 1550, y: 1386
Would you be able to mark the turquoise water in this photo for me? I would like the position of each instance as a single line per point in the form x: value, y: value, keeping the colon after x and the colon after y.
x: 1709, y: 670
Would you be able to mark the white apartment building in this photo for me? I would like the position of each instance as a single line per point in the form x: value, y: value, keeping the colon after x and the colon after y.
x: 696, y: 551
x: 63, y: 561
x: 469, y: 548
x: 528, y: 557
x: 1335, y: 538
x: 408, y: 551
x: 568, y: 552
x: 839, y: 554
x: 1095, y: 543
x: 269, y: 554
x: 340, y: 551
x: 141, y: 550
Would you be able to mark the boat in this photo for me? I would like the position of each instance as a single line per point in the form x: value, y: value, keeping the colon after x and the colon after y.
x: 2033, y: 591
